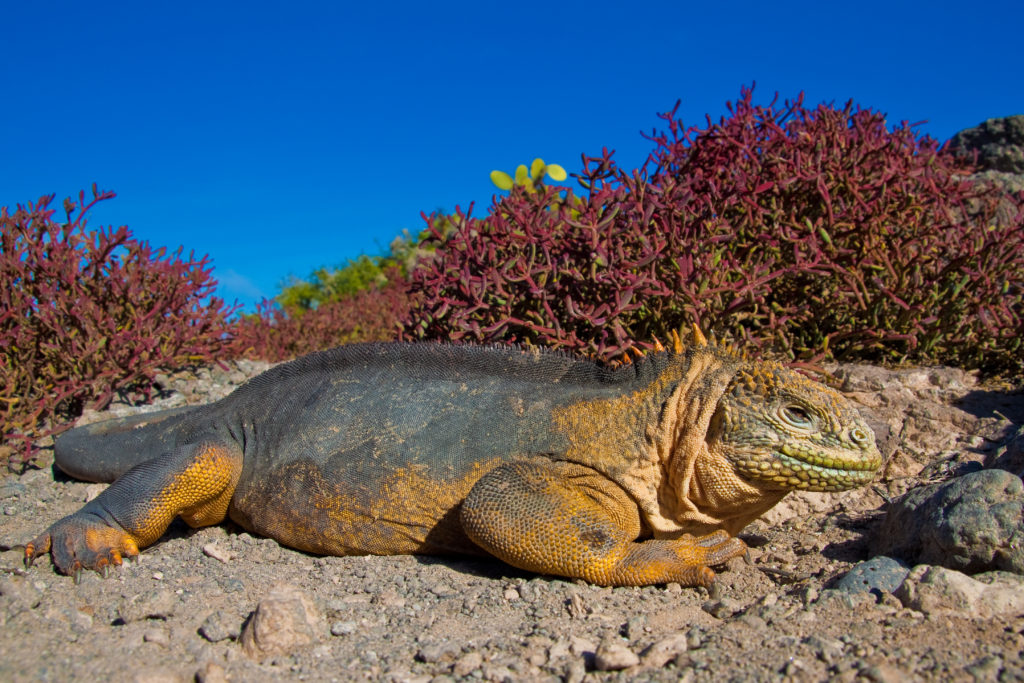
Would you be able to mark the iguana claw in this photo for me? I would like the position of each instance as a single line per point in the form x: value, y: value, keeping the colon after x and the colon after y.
x: 82, y: 541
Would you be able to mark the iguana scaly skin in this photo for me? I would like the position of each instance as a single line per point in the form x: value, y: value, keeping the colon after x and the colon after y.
x: 549, y: 462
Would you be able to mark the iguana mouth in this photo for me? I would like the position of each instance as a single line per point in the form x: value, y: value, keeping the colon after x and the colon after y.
x: 799, y: 466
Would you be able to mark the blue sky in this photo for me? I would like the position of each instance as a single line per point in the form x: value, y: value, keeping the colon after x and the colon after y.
x: 279, y: 137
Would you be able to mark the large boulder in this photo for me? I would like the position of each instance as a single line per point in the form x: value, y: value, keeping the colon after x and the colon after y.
x: 998, y: 142
x: 973, y: 523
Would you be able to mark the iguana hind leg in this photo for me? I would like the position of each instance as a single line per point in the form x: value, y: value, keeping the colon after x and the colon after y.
x: 569, y: 520
x: 194, y: 482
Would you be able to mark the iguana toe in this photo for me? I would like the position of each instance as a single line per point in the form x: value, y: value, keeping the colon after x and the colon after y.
x: 721, y: 547
x: 81, y: 541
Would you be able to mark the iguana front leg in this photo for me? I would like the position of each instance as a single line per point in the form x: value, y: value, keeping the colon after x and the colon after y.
x: 194, y: 482
x: 569, y: 520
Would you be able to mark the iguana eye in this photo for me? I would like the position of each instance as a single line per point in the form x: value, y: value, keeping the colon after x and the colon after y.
x: 859, y: 436
x: 796, y: 416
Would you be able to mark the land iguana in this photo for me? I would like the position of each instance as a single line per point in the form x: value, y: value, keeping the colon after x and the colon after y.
x: 633, y: 475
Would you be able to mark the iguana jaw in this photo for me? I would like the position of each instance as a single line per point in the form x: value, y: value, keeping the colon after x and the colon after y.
x: 797, y: 466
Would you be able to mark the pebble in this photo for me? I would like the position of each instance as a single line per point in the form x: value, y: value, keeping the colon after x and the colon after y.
x: 614, y: 655
x: 284, y: 621
x: 875, y: 575
x: 665, y: 650
x: 157, y: 636
x: 986, y: 669
x: 159, y: 605
x: 343, y: 628
x: 220, y: 626
x: 827, y: 650
x: 12, y: 488
x: 216, y: 552
x: 634, y: 628
x: 694, y: 638
x: 723, y: 608
x: 468, y: 663
x: 94, y: 490
x: 211, y: 672
x: 442, y: 652
x: 883, y: 673
x: 938, y: 591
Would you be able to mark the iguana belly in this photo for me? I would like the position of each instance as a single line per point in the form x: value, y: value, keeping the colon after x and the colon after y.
x: 360, y: 509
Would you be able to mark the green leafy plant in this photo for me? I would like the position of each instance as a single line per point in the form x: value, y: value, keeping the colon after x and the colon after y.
x: 532, y: 179
x: 368, y: 314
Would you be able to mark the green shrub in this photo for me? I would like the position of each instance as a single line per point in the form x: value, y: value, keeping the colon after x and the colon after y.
x: 276, y: 333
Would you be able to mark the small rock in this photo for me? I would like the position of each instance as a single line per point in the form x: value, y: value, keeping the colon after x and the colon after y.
x: 156, y: 636
x: 723, y: 608
x: 575, y: 606
x: 581, y: 647
x: 613, y: 655
x: 434, y: 653
x: 986, y: 669
x: 559, y: 649
x: 694, y: 638
x: 883, y: 673
x: 1009, y: 455
x: 492, y: 672
x: 574, y: 671
x: 216, y: 552
x: 938, y: 590
x: 468, y: 663
x: 159, y: 605
x: 19, y: 593
x: 634, y: 628
x: 343, y: 628
x: 219, y: 626
x: 12, y: 488
x: 231, y: 585
x: 389, y: 598
x: 211, y: 672
x: 875, y: 575
x: 93, y: 490
x: 808, y: 595
x: 283, y: 622
x: 528, y: 591
x: 665, y: 650
x: 827, y: 650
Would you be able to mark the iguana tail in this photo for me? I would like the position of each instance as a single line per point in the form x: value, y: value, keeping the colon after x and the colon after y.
x: 103, y: 451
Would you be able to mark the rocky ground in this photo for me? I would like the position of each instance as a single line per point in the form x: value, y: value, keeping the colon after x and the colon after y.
x: 220, y: 604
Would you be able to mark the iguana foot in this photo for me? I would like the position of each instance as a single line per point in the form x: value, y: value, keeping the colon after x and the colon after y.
x: 719, y: 547
x: 82, y: 541
x: 686, y: 560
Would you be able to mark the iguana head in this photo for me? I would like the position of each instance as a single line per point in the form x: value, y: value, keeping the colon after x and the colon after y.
x: 781, y: 431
